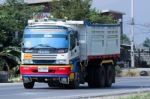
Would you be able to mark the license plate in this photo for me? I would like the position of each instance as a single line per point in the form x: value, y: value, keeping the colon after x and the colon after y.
x: 42, y: 69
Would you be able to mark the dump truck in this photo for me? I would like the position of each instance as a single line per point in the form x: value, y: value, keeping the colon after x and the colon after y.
x: 67, y: 53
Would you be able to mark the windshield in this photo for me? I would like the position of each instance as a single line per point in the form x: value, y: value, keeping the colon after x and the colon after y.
x: 45, y: 37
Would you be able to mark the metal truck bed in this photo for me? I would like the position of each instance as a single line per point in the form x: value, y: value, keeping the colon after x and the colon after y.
x: 99, y: 40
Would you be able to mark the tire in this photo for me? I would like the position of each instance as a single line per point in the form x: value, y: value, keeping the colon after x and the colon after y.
x: 91, y: 75
x: 49, y: 85
x: 109, y: 76
x: 29, y: 85
x: 99, y: 77
x: 74, y: 84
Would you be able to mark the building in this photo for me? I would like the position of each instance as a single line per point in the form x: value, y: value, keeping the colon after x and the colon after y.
x: 143, y: 55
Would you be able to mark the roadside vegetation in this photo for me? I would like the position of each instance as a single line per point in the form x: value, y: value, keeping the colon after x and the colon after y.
x: 138, y: 96
x: 128, y: 72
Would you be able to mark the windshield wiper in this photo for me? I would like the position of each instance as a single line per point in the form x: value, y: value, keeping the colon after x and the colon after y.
x: 42, y: 45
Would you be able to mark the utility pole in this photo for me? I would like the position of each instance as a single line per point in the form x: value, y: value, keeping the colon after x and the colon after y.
x: 132, y: 33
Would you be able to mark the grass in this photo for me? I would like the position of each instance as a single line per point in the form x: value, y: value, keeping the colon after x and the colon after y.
x: 130, y: 73
x: 148, y: 72
x: 138, y: 96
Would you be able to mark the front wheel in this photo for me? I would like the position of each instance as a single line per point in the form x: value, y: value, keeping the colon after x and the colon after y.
x: 29, y: 85
x: 74, y: 84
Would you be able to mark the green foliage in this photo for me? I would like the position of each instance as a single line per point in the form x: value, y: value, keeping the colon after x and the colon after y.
x: 71, y: 9
x: 147, y: 43
x: 9, y: 58
x: 141, y: 95
x: 125, y: 39
x: 13, y: 17
x: 95, y: 17
x: 3, y: 36
x: 78, y: 10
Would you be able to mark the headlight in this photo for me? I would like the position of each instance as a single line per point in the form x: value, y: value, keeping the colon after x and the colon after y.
x: 60, y: 61
x: 27, y: 61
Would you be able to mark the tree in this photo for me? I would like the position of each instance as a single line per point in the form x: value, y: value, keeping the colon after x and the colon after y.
x: 13, y: 17
x: 146, y: 43
x: 71, y: 9
x: 78, y: 10
x: 95, y: 17
x: 125, y: 39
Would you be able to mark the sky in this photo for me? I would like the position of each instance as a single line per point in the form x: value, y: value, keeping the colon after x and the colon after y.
x: 141, y: 15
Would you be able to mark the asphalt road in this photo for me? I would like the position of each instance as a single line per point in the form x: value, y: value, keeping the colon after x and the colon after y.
x: 42, y: 91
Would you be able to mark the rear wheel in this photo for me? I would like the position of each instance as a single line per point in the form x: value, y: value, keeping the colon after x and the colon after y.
x: 109, y: 76
x: 91, y: 83
x: 99, y: 77
x: 96, y: 77
x: 29, y: 85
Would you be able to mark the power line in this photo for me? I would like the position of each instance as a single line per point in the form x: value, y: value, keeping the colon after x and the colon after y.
x: 142, y: 30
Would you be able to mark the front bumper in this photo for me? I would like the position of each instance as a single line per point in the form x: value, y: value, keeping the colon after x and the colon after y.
x: 53, y: 71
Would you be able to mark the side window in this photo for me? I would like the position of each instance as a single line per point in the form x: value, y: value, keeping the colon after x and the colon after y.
x: 72, y: 41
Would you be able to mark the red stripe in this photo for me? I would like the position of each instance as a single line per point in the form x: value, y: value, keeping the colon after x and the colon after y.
x: 115, y: 56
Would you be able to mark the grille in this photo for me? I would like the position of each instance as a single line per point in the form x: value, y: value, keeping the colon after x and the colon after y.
x: 44, y: 57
